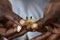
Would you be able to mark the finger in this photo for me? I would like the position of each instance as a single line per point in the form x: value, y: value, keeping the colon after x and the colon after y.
x: 22, y: 22
x: 53, y: 37
x: 1, y: 25
x: 10, y: 32
x: 34, y: 26
x: 13, y: 31
x: 6, y: 33
x: 22, y: 32
x: 13, y: 17
x: 29, y: 27
x: 55, y: 30
x: 56, y: 24
x: 2, y: 31
x: 42, y: 37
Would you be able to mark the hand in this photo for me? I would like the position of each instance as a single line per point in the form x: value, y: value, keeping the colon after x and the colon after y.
x: 52, y: 34
x: 6, y: 14
x: 47, y: 36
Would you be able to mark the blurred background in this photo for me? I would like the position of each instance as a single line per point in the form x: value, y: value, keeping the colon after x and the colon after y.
x: 28, y: 8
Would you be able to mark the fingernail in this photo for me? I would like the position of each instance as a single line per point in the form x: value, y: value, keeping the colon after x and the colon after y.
x: 19, y: 28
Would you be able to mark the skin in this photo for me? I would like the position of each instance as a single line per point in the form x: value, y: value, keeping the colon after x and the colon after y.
x: 7, y: 13
x: 48, y: 18
x: 46, y: 36
x: 49, y: 35
x: 52, y: 12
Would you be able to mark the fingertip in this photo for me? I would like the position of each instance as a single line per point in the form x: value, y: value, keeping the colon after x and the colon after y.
x: 34, y: 26
x: 22, y: 22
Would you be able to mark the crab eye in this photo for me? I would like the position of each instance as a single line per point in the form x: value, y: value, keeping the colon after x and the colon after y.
x: 31, y: 17
x: 26, y: 17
